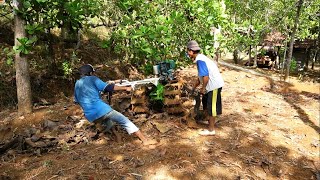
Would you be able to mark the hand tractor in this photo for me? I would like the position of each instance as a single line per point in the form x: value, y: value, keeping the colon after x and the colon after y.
x: 161, y: 93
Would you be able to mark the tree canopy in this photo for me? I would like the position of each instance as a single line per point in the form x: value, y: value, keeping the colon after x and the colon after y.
x: 155, y: 30
x: 143, y: 32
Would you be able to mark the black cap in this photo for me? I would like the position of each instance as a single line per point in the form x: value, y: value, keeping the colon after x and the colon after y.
x: 86, y: 69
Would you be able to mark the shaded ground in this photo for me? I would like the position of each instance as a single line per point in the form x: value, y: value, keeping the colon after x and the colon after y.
x: 268, y: 130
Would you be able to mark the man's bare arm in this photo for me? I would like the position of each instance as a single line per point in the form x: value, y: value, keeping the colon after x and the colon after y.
x: 122, y: 88
x: 196, y: 84
x: 204, y: 85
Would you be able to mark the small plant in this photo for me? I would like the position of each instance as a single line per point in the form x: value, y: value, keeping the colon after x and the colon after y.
x: 157, y: 93
x: 47, y: 163
x: 293, y: 65
x: 10, y: 56
x: 65, y: 147
x: 67, y: 70
x: 68, y: 64
x: 34, y: 28
x: 263, y: 52
x: 25, y: 45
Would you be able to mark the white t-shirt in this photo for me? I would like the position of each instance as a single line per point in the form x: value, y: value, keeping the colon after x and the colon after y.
x: 207, y: 67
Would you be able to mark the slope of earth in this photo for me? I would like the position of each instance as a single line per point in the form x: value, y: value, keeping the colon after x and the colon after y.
x: 268, y: 130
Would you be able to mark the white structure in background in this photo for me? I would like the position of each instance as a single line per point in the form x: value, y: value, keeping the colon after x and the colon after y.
x: 216, y: 33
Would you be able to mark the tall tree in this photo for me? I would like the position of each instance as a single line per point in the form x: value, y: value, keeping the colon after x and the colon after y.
x: 21, y: 64
x: 249, y: 23
x: 294, y: 30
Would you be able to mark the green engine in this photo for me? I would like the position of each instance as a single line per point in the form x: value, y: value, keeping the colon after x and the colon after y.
x: 165, y: 71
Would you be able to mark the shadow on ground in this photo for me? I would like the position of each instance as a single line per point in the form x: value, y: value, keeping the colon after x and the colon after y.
x: 293, y: 98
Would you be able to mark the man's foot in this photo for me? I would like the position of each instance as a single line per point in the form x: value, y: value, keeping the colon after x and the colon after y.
x: 149, y: 142
x: 205, y: 122
x: 207, y: 133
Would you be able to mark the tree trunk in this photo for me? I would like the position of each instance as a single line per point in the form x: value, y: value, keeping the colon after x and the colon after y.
x: 78, y: 39
x: 278, y: 58
x: 296, y: 22
x: 316, y: 57
x: 250, y: 58
x: 236, y: 56
x: 306, y: 67
x: 22, y: 67
x: 317, y: 53
x: 49, y: 45
x: 284, y: 58
x: 255, y: 56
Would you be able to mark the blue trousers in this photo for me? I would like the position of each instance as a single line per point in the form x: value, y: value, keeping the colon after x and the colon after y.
x: 114, y: 116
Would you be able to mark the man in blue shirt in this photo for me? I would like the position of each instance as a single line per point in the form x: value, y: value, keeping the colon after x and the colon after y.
x: 212, y: 83
x: 87, y: 93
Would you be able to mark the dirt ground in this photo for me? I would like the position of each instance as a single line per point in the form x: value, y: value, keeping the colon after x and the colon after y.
x: 268, y: 130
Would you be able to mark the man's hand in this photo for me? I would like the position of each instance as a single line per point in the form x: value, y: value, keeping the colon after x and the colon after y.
x: 119, y: 81
x: 128, y: 88
x: 111, y: 82
x: 122, y: 88
x: 202, y: 91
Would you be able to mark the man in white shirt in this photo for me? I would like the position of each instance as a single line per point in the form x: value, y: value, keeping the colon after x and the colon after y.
x: 210, y: 78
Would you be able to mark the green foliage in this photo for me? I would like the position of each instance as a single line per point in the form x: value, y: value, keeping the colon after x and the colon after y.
x: 157, y: 93
x: 158, y: 30
x: 42, y: 14
x: 293, y: 65
x: 147, y: 69
x: 67, y: 65
x: 26, y: 45
x: 265, y: 16
x: 263, y: 52
x: 34, y: 28
x: 67, y: 70
x: 10, y: 55
x: 48, y: 163
x: 147, y: 32
x: 309, y: 20
x: 249, y: 22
